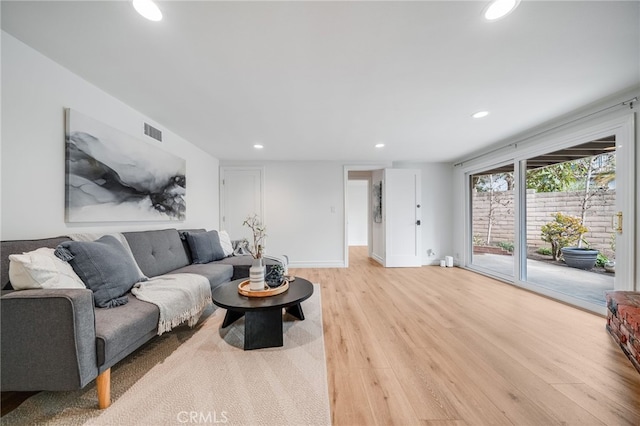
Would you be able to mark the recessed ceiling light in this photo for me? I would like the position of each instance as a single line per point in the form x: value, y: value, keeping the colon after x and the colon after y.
x: 480, y: 114
x: 148, y: 9
x: 499, y: 8
x: 379, y: 145
x: 258, y: 146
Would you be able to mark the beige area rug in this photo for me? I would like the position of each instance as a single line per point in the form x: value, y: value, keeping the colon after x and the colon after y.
x: 202, y: 375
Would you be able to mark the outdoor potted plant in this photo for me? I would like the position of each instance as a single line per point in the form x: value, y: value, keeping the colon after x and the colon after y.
x: 580, y: 257
x: 610, y: 266
x: 563, y: 232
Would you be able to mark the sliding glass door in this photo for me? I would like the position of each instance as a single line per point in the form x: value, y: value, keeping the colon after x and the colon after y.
x: 570, y: 238
x: 493, y: 217
x: 558, y: 200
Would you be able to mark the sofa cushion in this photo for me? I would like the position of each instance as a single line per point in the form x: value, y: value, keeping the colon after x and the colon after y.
x: 105, y: 267
x: 157, y: 252
x: 41, y: 269
x: 225, y: 242
x: 205, y: 246
x: 86, y: 236
x: 185, y: 244
x: 216, y: 272
x: 21, y: 246
x: 120, y: 329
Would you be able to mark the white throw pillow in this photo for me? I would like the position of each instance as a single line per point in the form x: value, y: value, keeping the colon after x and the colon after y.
x: 225, y: 242
x: 41, y: 269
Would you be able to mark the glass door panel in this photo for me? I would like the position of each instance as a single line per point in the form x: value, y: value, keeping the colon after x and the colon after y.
x: 492, y: 220
x: 570, y: 240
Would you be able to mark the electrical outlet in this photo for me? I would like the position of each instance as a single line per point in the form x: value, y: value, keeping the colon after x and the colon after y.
x: 431, y: 253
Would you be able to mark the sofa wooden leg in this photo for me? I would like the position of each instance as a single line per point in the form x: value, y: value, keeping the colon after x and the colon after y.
x: 103, y: 383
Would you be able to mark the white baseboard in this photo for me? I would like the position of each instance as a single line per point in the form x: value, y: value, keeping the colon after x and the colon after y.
x: 377, y: 258
x: 316, y: 264
x: 340, y: 264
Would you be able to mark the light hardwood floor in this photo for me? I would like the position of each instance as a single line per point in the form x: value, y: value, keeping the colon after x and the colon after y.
x: 445, y: 346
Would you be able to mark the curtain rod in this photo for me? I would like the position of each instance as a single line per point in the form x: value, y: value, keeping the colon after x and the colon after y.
x: 629, y: 102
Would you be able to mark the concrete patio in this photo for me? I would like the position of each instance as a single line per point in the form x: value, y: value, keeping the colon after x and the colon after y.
x: 584, y: 285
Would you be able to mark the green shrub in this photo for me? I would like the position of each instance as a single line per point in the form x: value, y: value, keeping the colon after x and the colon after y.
x: 564, y: 231
x: 506, y: 245
x: 544, y: 251
x: 601, y: 260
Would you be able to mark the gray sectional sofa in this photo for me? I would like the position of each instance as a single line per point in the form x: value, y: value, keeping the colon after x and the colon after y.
x: 56, y: 339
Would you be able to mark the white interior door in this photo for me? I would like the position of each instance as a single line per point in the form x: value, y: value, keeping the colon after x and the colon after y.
x: 241, y: 195
x: 401, y: 202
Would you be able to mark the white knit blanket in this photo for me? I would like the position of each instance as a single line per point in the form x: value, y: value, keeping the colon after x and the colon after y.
x: 180, y: 298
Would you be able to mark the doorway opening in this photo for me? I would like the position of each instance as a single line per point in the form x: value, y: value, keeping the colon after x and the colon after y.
x: 358, y: 226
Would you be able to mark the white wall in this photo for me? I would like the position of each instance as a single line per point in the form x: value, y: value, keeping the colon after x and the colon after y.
x: 300, y: 221
x: 358, y: 209
x: 35, y: 92
x: 304, y: 210
x: 437, y: 205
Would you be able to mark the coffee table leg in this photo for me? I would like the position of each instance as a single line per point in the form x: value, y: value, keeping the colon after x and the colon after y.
x: 263, y: 329
x: 230, y: 317
x: 296, y: 311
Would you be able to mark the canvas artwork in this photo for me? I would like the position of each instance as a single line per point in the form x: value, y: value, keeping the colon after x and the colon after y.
x: 377, y: 202
x: 112, y: 176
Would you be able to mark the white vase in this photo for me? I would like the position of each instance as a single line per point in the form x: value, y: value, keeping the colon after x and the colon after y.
x: 256, y: 275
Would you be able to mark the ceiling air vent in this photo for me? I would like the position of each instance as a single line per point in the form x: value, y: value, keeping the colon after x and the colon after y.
x: 152, y: 132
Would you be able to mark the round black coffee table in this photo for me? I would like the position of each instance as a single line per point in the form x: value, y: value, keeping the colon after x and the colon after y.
x: 262, y: 315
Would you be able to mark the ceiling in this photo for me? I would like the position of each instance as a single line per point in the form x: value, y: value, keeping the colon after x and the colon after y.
x: 329, y: 80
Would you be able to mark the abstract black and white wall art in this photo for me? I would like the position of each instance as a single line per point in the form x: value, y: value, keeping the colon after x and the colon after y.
x: 112, y: 176
x: 377, y: 202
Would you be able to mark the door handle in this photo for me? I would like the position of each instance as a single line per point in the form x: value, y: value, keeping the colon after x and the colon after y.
x: 418, y: 223
x: 616, y: 222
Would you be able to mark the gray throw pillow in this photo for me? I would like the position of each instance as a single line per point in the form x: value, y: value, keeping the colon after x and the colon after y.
x: 205, y: 246
x: 241, y: 247
x: 104, y: 266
